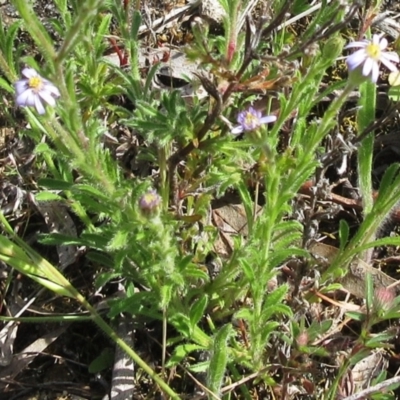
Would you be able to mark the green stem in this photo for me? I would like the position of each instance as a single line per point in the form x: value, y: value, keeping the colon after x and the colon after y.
x: 134, y: 356
x: 62, y: 138
x: 366, y: 116
x: 164, y: 341
x: 364, y: 162
x: 329, y: 117
x: 134, y: 46
x: 164, y: 186
x: 272, y: 184
x: 367, y: 230
x: 88, y: 11
x: 36, y: 29
x: 75, y: 146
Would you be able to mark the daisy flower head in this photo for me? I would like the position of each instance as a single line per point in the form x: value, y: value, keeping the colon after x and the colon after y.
x: 365, y: 62
x: 149, y: 203
x: 34, y: 91
x: 251, y: 119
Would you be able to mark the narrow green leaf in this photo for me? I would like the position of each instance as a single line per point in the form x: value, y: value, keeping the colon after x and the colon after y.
x: 248, y: 205
x: 276, y: 297
x: 245, y: 314
x: 119, y: 241
x: 219, y: 359
x: 102, y: 30
x: 357, y: 316
x: 387, y: 241
x: 139, y: 303
x: 103, y: 361
x: 135, y: 24
x: 200, y: 367
x: 380, y: 339
x: 197, y: 310
x: 279, y: 256
x: 180, y: 352
x: 44, y: 276
x: 181, y: 323
x: 36, y: 29
x: 266, y: 330
x: 387, y: 180
x: 166, y: 295
x: 61, y: 239
x: 365, y: 154
x: 6, y: 86
x: 9, y: 249
x: 105, y: 277
x: 48, y: 196
x: 248, y: 270
x: 365, y: 116
x: 54, y: 184
x: 343, y: 233
x: 318, y: 328
x: 10, y: 49
x: 369, y: 291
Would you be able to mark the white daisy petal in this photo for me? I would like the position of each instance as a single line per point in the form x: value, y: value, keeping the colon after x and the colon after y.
x: 368, y: 65
x: 375, y: 72
x: 356, y: 44
x: 383, y: 44
x: 268, y: 119
x: 47, y: 97
x: 31, y: 99
x: 389, y: 65
x: 237, y: 130
x: 391, y: 57
x: 375, y: 39
x: 24, y: 99
x: 39, y: 106
x: 52, y: 89
x: 21, y: 86
x: 356, y: 59
x: 29, y: 73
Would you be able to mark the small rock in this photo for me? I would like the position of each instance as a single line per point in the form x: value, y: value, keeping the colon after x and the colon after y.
x: 212, y: 11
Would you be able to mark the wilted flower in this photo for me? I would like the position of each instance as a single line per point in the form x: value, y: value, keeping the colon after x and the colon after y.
x: 302, y: 339
x: 366, y: 61
x: 149, y: 203
x: 250, y: 120
x: 35, y: 91
x: 384, y: 298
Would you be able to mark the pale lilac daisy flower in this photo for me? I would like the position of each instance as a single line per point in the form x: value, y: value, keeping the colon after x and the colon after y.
x: 149, y: 203
x: 34, y: 91
x: 368, y: 58
x: 250, y: 120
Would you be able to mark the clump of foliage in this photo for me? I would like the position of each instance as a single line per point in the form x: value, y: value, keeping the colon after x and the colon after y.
x: 262, y: 132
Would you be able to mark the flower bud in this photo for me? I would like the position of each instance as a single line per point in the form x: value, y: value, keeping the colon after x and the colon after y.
x: 200, y: 29
x: 333, y: 48
x: 149, y: 203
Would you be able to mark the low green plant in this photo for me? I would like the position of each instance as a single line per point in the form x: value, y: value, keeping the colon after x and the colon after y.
x: 147, y: 230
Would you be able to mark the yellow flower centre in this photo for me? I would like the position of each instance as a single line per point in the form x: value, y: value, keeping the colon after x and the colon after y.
x: 373, y: 51
x: 150, y: 200
x: 251, y: 119
x: 149, y: 197
x: 35, y: 83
